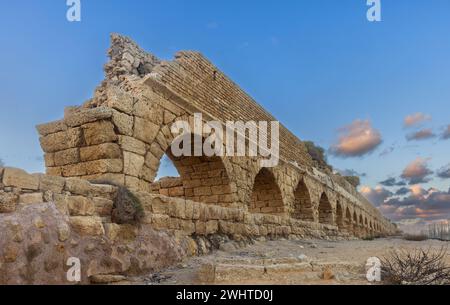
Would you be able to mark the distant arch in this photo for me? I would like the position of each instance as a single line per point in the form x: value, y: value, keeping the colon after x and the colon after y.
x: 303, y: 208
x: 339, y: 215
x: 266, y: 195
x: 325, y: 210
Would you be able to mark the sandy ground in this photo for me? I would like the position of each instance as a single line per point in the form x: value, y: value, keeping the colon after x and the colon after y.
x: 351, y: 252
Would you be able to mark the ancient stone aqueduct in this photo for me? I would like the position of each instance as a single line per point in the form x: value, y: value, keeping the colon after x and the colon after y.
x: 122, y: 134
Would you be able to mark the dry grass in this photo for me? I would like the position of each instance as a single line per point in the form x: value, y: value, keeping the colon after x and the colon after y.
x: 416, y: 267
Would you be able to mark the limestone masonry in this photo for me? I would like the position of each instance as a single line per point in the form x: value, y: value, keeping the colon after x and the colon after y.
x: 119, y: 137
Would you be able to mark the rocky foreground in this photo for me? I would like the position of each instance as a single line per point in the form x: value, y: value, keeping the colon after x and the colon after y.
x: 279, y: 262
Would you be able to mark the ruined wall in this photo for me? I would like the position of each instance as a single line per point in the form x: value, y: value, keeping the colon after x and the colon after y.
x: 124, y: 131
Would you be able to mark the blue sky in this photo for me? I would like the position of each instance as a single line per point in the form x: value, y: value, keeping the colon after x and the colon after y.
x: 317, y: 65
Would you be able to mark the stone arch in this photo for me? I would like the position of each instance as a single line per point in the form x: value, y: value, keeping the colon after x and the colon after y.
x: 266, y: 194
x: 303, y: 207
x: 202, y: 178
x: 325, y: 210
x: 339, y: 215
x: 348, y: 219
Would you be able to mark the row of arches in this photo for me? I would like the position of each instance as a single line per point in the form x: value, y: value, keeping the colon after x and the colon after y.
x: 240, y: 182
x: 206, y: 179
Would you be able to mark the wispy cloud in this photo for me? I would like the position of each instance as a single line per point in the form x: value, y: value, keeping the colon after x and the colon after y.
x: 356, y: 140
x: 444, y: 172
x: 387, y: 150
x: 416, y: 119
x: 392, y: 182
x: 423, y: 134
x: 446, y: 133
x: 350, y: 172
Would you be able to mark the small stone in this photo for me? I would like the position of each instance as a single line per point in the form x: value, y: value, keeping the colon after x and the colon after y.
x: 328, y: 274
x: 302, y: 257
x: 39, y: 223
x: 106, y: 278
x: 63, y: 232
x: 10, y: 254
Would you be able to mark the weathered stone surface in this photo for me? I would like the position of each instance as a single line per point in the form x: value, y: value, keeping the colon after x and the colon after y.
x: 31, y: 198
x: 101, y: 151
x: 62, y: 140
x: 53, y: 127
x: 19, y: 178
x: 83, y: 187
x: 132, y: 163
x: 103, y: 166
x: 36, y: 241
x: 80, y: 206
x: 87, y: 225
x: 51, y: 183
x: 123, y: 122
x: 119, y: 99
x: 106, y: 278
x: 8, y: 202
x: 80, y: 117
x: 99, y: 132
x: 122, y: 232
x: 145, y: 130
x: 130, y: 144
x: 65, y: 157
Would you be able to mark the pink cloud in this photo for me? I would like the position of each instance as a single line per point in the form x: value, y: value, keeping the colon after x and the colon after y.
x: 423, y: 134
x: 416, y: 119
x: 357, y: 139
x: 417, y: 171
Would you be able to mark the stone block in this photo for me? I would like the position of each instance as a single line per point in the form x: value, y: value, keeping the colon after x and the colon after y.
x: 84, y: 188
x: 31, y: 198
x: 123, y: 122
x: 101, y: 151
x: 119, y: 99
x: 62, y: 140
x: 68, y: 156
x: 99, y: 132
x: 145, y: 130
x: 87, y: 225
x: 121, y: 233
x: 52, y: 127
x: 104, y: 166
x: 131, y: 144
x: 84, y: 116
x: 15, y: 177
x: 80, y: 206
x: 132, y: 163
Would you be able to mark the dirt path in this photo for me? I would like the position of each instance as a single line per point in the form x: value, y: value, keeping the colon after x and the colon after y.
x: 286, y: 262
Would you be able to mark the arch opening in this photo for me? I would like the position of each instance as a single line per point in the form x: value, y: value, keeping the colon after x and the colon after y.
x: 325, y: 210
x: 303, y: 208
x: 266, y: 195
x: 200, y: 178
x: 339, y: 215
